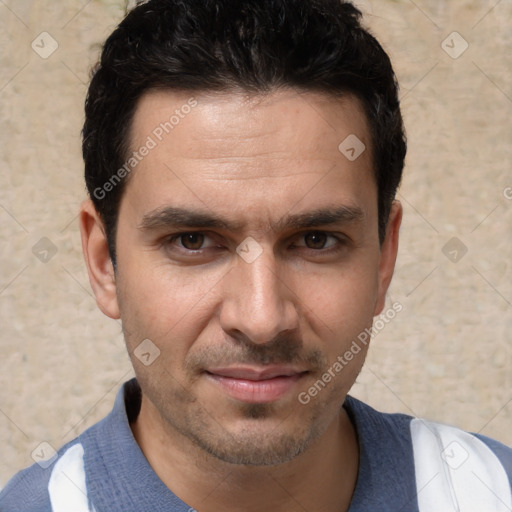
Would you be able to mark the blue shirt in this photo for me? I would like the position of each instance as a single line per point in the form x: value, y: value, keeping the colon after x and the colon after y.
x: 406, y: 464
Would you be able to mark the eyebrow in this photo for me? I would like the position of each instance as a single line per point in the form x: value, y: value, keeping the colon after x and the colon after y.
x: 174, y: 217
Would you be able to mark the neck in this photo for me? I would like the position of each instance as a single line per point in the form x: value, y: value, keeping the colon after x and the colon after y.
x: 321, y: 478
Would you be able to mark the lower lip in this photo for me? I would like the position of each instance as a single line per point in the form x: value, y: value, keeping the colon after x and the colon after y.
x: 256, y: 391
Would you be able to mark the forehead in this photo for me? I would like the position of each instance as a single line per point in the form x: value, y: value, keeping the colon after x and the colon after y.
x: 241, y: 119
x: 234, y: 150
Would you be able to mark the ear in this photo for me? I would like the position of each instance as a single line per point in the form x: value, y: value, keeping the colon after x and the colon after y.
x: 388, y: 253
x: 97, y: 259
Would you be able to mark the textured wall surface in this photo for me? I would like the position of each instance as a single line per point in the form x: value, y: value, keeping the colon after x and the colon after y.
x: 447, y: 355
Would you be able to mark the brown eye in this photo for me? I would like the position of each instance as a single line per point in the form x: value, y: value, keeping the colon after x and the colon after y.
x: 315, y: 240
x: 192, y: 241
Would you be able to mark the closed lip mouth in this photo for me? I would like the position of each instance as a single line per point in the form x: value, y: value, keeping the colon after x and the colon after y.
x: 256, y: 374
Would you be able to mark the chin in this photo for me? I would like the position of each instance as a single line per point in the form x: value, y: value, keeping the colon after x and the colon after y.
x: 256, y: 440
x: 258, y: 450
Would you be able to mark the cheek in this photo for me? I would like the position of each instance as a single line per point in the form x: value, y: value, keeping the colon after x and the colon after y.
x: 341, y: 300
x: 165, y: 303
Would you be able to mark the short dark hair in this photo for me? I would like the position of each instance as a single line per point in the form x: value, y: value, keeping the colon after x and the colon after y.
x: 223, y: 45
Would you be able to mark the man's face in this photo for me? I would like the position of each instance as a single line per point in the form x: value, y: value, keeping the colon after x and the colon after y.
x: 250, y: 310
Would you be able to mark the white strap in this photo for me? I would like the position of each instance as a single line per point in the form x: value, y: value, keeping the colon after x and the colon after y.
x: 456, y: 471
x: 67, y: 488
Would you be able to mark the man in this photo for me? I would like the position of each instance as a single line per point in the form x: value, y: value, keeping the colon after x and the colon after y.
x: 242, y: 160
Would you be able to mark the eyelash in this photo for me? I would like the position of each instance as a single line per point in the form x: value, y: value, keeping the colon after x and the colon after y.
x: 340, y: 242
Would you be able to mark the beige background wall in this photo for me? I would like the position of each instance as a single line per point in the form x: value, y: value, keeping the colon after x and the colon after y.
x: 446, y: 356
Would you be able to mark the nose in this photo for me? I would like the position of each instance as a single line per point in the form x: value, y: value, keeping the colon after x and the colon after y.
x: 257, y: 303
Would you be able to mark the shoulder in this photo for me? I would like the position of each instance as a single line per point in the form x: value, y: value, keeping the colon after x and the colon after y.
x: 452, y: 465
x: 61, y: 484
x: 30, y: 490
x: 446, y: 464
x: 448, y: 441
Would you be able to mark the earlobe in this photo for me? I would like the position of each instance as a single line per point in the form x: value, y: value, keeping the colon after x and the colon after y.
x: 97, y: 259
x: 388, y: 254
